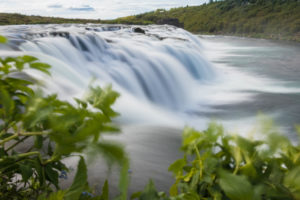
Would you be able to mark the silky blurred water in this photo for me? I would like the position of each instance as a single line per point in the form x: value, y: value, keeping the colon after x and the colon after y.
x: 167, y: 78
x: 275, y: 63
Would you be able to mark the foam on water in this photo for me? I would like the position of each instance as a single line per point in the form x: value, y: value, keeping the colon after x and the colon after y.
x: 160, y: 74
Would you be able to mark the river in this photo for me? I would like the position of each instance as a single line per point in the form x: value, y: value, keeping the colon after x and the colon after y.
x: 167, y: 78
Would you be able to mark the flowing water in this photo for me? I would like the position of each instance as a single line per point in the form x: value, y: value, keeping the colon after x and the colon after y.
x: 270, y: 78
x: 167, y: 78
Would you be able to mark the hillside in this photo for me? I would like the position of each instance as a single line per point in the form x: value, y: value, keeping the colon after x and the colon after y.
x: 12, y: 19
x: 276, y: 19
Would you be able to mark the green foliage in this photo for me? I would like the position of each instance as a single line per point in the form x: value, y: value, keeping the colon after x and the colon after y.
x: 221, y: 166
x: 2, y: 39
x: 37, y: 132
x: 9, y: 19
x: 79, y: 183
x: 276, y: 19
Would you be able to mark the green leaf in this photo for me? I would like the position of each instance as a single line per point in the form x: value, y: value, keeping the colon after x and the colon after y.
x: 292, y: 182
x: 173, y: 190
x: 81, y: 103
x: 190, y: 136
x: 2, y: 152
x: 191, y: 196
x: 43, y: 67
x: 38, y: 143
x: 40, y: 172
x: 16, y: 81
x: 249, y: 170
x: 26, y: 172
x: 59, y: 195
x: 149, y: 192
x: 136, y: 195
x: 123, y: 183
x: 236, y: 187
x: 3, y: 39
x: 112, y: 152
x: 38, y: 110
x: 79, y: 183
x: 105, y: 190
x: 9, y: 59
x: 51, y: 175
x: 7, y: 104
x: 28, y: 59
x: 237, y: 155
x: 103, y: 99
x: 177, y: 166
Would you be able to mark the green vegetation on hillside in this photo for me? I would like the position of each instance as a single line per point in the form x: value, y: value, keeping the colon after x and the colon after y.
x: 15, y: 19
x: 276, y: 19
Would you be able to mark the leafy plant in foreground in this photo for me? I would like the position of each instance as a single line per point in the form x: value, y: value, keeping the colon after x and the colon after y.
x: 220, y: 166
x: 37, y: 132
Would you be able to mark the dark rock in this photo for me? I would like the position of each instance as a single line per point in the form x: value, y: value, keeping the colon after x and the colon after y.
x: 108, y: 40
x: 60, y: 34
x: 138, y: 30
x: 170, y: 21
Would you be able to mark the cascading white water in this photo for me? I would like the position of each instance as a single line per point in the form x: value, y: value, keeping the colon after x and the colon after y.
x: 161, y: 67
x: 163, y: 75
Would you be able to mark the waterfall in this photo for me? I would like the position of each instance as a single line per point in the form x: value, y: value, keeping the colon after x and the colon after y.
x: 162, y: 67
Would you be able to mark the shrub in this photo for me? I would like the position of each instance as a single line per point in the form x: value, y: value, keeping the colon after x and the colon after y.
x: 37, y: 132
x: 221, y: 166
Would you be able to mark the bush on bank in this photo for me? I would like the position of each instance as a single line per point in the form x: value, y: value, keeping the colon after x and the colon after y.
x: 273, y: 19
x: 37, y: 132
x: 220, y: 166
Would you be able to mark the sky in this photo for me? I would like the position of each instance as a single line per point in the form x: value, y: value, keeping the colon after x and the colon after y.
x: 90, y: 9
